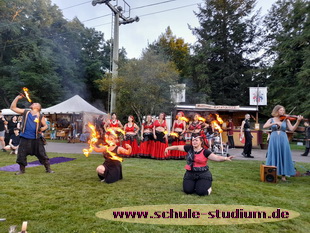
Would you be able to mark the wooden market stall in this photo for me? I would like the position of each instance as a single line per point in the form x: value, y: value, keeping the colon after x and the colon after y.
x: 237, y: 114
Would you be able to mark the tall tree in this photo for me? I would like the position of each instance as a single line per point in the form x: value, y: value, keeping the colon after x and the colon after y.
x: 287, y: 38
x: 143, y: 85
x: 225, y: 55
x: 53, y: 57
x: 174, y: 49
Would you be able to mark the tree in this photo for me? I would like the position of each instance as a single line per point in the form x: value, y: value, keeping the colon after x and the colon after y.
x: 174, y: 49
x: 143, y: 85
x: 225, y: 55
x: 287, y: 38
x: 53, y: 57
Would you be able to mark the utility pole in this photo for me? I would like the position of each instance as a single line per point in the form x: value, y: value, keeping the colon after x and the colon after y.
x: 117, y: 10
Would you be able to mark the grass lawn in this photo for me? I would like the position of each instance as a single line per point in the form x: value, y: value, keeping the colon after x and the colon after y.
x: 68, y: 200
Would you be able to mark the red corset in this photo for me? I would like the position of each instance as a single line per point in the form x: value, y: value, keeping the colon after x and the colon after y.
x: 176, y: 125
x: 113, y: 125
x: 147, y: 126
x: 157, y: 124
x: 130, y: 129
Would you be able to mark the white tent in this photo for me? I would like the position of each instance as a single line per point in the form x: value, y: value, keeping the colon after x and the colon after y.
x: 74, y: 105
x: 73, y: 109
x: 8, y: 112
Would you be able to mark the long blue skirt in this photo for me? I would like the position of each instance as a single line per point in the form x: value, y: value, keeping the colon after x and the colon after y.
x: 279, y: 154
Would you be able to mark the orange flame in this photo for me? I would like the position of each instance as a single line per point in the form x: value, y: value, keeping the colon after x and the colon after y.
x: 113, y: 155
x: 201, y: 119
x: 174, y: 134
x: 183, y: 119
x: 93, y: 139
x: 219, y: 119
x: 25, y: 89
x: 112, y: 131
x: 216, y: 126
x: 120, y: 130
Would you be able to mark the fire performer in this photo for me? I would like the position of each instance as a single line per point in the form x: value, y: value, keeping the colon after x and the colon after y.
x: 160, y: 135
x: 31, y: 143
x: 131, y: 133
x: 111, y: 170
x: 198, y: 178
x: 197, y: 128
x: 147, y: 138
x: 178, y: 130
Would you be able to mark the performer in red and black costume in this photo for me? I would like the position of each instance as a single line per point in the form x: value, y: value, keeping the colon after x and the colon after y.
x: 178, y: 130
x: 131, y: 136
x: 114, y: 124
x: 147, y: 138
x: 196, y: 129
x: 160, y: 136
x: 198, y: 178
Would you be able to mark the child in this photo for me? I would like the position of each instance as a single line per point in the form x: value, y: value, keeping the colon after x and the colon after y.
x: 14, y: 142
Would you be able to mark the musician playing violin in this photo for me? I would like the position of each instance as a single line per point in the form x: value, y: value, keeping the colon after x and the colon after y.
x: 279, y: 152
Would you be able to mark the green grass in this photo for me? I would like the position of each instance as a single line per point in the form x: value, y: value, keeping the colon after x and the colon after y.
x: 68, y: 200
x: 294, y: 146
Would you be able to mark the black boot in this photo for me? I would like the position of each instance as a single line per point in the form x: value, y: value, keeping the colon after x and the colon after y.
x: 21, y: 170
x: 306, y: 152
x: 48, y: 167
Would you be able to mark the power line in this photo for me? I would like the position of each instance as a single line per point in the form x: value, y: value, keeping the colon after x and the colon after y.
x: 153, y: 13
x: 171, y: 9
x: 83, y: 3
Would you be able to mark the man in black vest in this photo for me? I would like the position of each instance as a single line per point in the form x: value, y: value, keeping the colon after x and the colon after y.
x: 31, y: 143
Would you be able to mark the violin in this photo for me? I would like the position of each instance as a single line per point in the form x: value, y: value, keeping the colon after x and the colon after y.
x: 290, y: 117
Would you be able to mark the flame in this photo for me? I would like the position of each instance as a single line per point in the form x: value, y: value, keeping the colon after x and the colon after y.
x: 219, y: 119
x: 183, y: 119
x: 25, y: 89
x: 174, y: 134
x: 120, y: 130
x: 112, y: 131
x: 201, y: 119
x: 93, y: 139
x: 216, y: 126
x: 113, y: 155
x: 36, y: 120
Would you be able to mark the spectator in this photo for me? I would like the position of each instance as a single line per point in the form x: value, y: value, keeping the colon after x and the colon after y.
x: 3, y: 126
x: 14, y: 142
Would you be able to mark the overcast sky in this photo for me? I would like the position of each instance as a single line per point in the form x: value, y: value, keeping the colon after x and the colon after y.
x: 155, y: 16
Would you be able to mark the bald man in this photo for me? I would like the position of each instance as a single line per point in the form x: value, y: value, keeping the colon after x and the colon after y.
x: 33, y: 124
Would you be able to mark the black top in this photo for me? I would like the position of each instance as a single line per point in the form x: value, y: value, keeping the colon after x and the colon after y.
x: 11, y: 126
x: 247, y: 124
x: 15, y: 139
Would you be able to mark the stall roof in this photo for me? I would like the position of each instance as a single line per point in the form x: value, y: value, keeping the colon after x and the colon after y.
x: 74, y: 105
x: 220, y: 108
x: 8, y: 112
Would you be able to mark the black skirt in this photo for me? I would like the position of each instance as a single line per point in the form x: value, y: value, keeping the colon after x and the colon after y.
x: 113, y: 171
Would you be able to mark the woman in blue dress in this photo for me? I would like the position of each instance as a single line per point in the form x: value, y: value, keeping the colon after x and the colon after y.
x: 279, y: 152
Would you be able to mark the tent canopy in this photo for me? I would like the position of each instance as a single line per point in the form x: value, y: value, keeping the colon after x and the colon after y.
x: 8, y: 111
x: 74, y: 105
